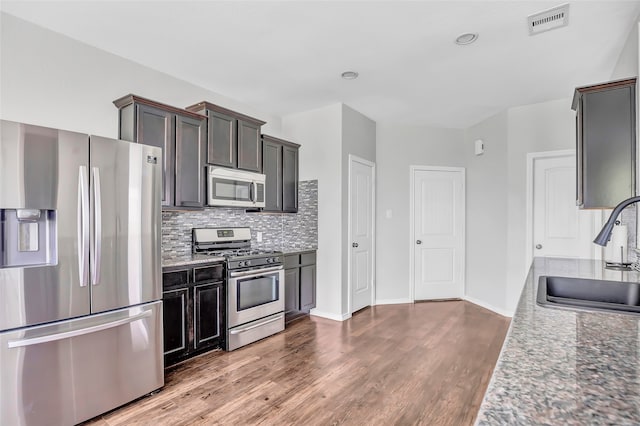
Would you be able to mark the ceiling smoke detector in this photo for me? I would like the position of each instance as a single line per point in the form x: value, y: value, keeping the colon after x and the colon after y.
x: 550, y: 19
x: 350, y: 75
x: 466, y: 38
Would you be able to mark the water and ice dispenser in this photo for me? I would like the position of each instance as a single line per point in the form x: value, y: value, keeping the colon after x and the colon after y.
x: 27, y: 237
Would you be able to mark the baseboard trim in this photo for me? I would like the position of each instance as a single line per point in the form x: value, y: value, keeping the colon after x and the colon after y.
x: 489, y: 306
x: 392, y: 301
x: 329, y: 315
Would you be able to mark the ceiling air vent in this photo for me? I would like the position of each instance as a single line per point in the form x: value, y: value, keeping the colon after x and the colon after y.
x: 549, y: 19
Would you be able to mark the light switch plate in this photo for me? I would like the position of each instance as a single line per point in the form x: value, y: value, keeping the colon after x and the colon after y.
x: 479, y: 147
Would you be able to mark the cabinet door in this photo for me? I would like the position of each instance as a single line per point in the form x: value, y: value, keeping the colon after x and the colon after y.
x: 222, y: 141
x: 155, y: 127
x: 272, y: 168
x: 608, y: 147
x: 290, y: 179
x: 208, y: 314
x: 190, y: 134
x: 249, y: 147
x: 307, y: 287
x: 291, y: 290
x: 175, y: 319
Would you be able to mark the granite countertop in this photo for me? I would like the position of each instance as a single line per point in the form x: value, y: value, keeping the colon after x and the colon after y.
x: 566, y: 367
x: 194, y: 259
x: 189, y: 259
x: 294, y: 250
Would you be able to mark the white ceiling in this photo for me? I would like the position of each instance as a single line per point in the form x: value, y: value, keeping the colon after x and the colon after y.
x: 285, y: 57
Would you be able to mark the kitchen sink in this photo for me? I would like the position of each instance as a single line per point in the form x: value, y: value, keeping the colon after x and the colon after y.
x: 589, y: 294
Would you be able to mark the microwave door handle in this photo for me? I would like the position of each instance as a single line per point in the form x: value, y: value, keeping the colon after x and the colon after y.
x: 254, y: 198
x: 252, y: 192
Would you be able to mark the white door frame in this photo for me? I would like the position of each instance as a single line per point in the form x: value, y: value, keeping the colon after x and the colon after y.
x: 531, y: 159
x: 412, y: 246
x: 352, y: 159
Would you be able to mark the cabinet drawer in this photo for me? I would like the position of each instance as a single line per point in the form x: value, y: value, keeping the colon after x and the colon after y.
x: 208, y: 274
x: 308, y: 258
x: 175, y: 278
x: 291, y: 261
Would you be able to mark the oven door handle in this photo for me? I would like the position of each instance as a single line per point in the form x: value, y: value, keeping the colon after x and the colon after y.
x: 255, y: 272
x: 260, y: 324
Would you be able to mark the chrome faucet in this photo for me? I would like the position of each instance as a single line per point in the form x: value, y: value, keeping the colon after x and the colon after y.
x: 605, y: 233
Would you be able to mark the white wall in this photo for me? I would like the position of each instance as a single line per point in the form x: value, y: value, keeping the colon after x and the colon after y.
x: 627, y: 64
x: 52, y: 80
x: 320, y: 134
x: 546, y: 126
x: 486, y: 228
x: 397, y: 148
x: 358, y: 138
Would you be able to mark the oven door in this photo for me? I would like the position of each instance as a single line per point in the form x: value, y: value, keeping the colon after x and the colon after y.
x: 254, y: 294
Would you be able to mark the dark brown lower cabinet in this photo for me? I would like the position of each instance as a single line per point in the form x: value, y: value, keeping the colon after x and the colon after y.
x: 299, y: 284
x: 176, y: 324
x: 291, y: 290
x: 307, y: 287
x: 208, y: 310
x: 193, y: 311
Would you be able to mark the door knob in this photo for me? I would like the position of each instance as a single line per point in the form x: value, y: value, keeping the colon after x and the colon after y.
x: 418, y: 241
x: 354, y: 245
x: 538, y: 246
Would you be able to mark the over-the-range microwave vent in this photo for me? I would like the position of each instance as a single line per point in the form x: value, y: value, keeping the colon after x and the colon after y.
x: 550, y: 19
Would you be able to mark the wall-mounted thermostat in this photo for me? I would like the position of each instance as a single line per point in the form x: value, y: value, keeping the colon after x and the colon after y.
x: 479, y: 147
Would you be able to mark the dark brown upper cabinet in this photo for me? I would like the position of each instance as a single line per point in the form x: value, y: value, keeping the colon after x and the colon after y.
x: 280, y: 165
x: 233, y: 138
x: 182, y: 136
x: 606, y: 143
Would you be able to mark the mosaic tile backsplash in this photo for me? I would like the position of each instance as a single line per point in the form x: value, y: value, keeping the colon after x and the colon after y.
x: 628, y: 217
x: 280, y: 231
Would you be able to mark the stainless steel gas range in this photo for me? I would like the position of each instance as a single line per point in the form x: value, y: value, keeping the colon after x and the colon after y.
x: 255, y: 283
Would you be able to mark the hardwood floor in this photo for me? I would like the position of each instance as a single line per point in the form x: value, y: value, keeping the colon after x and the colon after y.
x: 424, y: 363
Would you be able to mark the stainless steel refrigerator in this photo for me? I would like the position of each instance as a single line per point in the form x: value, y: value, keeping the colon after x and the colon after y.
x: 80, y: 274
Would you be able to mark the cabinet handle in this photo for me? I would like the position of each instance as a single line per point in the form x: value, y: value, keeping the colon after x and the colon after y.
x: 354, y: 245
x: 418, y: 241
x: 538, y: 246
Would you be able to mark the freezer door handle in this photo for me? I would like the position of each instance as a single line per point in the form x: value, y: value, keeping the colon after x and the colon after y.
x: 74, y: 333
x: 83, y: 226
x: 97, y: 225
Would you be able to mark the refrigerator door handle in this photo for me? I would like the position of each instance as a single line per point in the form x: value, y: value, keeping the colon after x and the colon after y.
x: 97, y: 224
x: 83, y: 225
x: 74, y: 333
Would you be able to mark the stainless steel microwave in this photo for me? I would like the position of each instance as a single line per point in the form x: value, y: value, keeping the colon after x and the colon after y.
x: 234, y: 188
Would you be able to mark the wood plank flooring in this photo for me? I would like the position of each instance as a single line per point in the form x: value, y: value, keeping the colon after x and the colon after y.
x: 423, y: 363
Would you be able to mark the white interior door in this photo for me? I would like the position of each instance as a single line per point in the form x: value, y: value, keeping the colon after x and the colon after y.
x: 438, y: 233
x: 361, y: 231
x: 560, y: 228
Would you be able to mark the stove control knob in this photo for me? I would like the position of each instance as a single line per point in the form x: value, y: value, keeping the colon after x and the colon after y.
x: 269, y: 260
x: 240, y: 264
x: 247, y: 263
x: 276, y: 259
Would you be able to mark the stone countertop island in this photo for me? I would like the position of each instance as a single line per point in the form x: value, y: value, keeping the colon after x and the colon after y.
x: 566, y: 367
